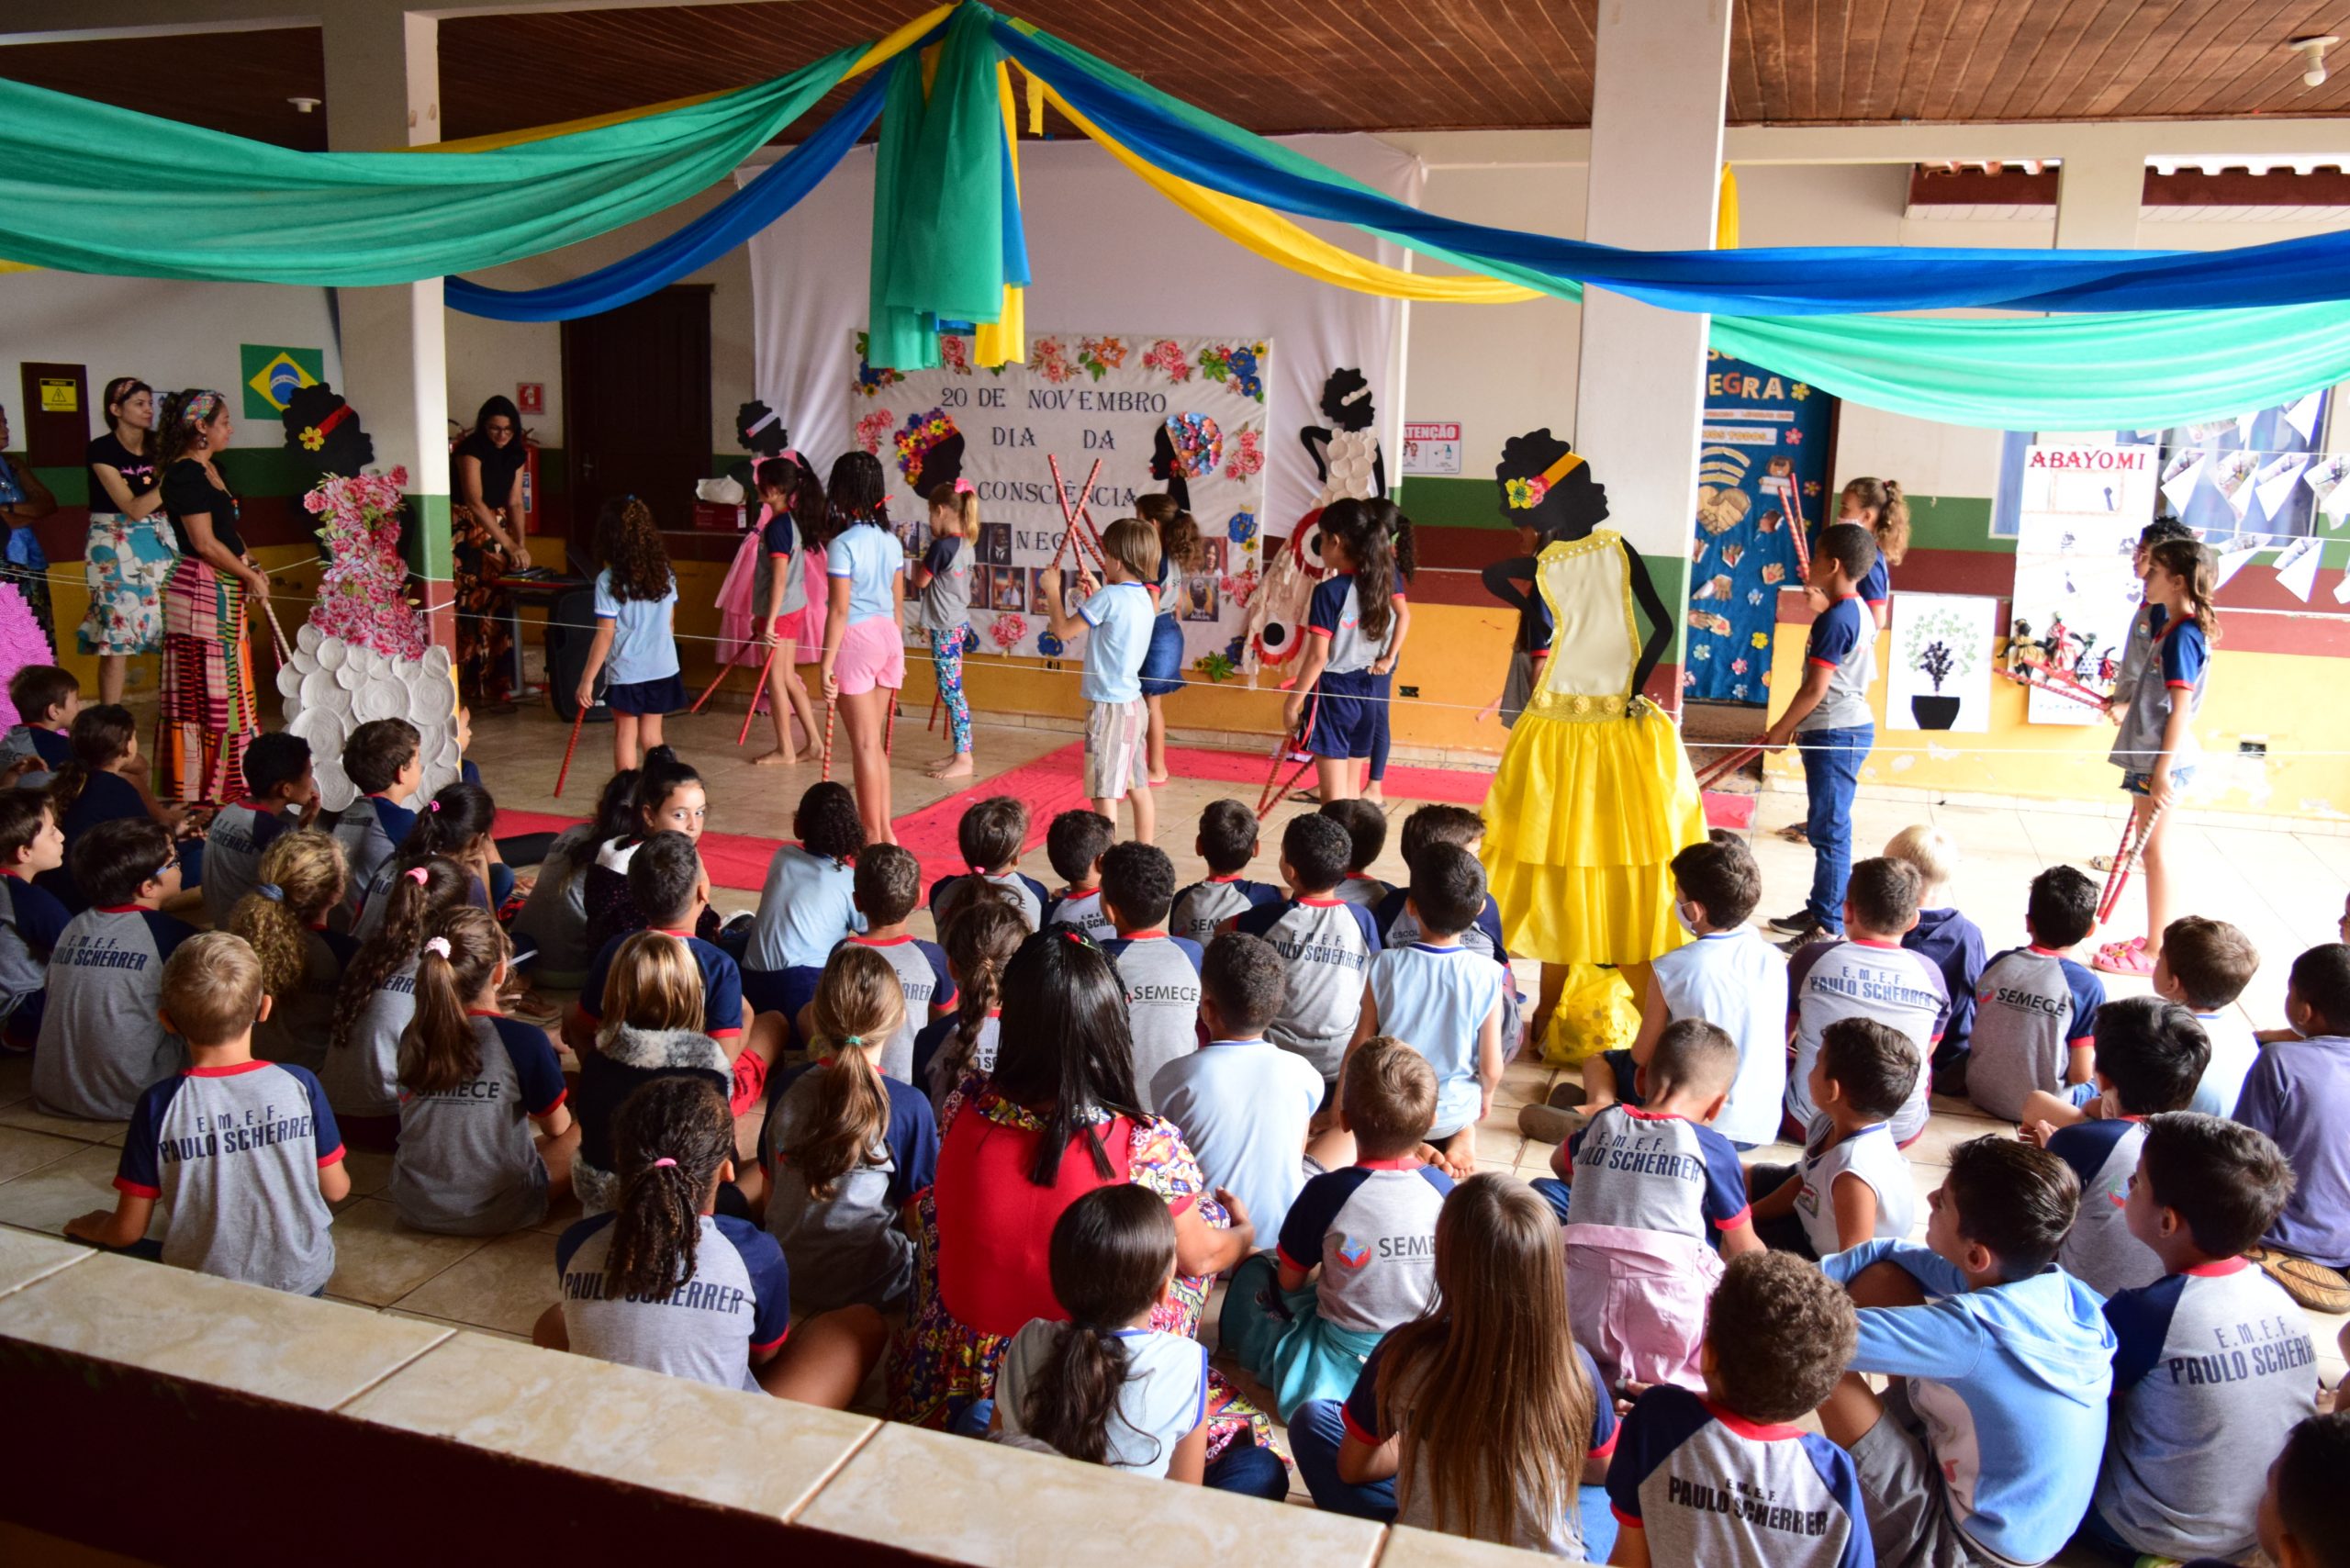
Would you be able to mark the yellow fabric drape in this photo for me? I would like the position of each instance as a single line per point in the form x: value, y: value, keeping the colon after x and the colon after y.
x: 1275, y: 238
x: 1726, y: 213
x: 1005, y: 339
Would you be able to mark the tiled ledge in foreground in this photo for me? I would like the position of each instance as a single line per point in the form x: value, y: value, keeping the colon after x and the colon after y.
x: 179, y: 1419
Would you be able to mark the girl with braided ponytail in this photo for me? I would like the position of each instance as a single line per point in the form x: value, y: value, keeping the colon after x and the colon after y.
x: 664, y: 1283
x: 979, y: 940
x: 845, y: 1148
x: 299, y: 878
x: 472, y: 1085
x: 376, y: 1001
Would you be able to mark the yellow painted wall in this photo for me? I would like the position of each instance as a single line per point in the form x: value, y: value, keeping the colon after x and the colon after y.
x: 2285, y: 701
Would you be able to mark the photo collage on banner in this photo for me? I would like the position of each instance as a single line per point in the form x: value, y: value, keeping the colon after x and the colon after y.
x: 1762, y: 477
x: 1185, y: 415
x: 2082, y: 508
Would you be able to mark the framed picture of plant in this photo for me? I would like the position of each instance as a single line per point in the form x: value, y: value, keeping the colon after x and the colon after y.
x: 1938, y: 662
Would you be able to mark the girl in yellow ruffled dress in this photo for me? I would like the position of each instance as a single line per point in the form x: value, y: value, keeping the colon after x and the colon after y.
x: 1595, y: 795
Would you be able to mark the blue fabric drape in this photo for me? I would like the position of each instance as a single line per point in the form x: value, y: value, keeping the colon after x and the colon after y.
x: 775, y: 191
x: 1780, y: 282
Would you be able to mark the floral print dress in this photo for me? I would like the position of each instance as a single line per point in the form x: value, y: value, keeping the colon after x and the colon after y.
x: 941, y: 1365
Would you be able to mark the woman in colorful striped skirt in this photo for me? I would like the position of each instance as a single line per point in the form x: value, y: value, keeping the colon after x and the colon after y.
x: 209, y: 714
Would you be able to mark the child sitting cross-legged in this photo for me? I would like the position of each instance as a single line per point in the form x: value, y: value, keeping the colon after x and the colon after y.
x: 283, y: 917
x: 1728, y: 976
x: 1242, y: 1103
x: 1368, y: 1229
x: 1104, y: 1386
x: 992, y: 834
x: 1692, y: 1473
x: 2150, y: 1053
x: 376, y: 1001
x: 2036, y: 1009
x: 47, y: 699
x: 1328, y: 944
x: 1944, y: 937
x: 1227, y: 842
x: 2298, y: 1093
x: 649, y: 1025
x: 807, y: 904
x: 281, y: 794
x: 1443, y: 1000
x: 1398, y: 927
x: 846, y: 1147
x: 31, y: 918
x: 886, y: 886
x: 980, y: 941
x: 664, y: 1283
x: 385, y: 758
x: 1075, y: 844
x: 1520, y: 1459
x: 101, y: 1042
x: 2214, y: 1365
x: 1642, y: 1191
x: 2301, y: 1511
x: 1867, y: 974
x: 1160, y: 973
x: 472, y: 1085
x: 1366, y: 827
x: 2000, y: 1366
x: 250, y: 1208
x: 1852, y: 1184
x: 106, y: 781
x: 2204, y: 966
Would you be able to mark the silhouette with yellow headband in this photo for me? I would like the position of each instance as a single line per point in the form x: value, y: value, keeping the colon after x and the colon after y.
x: 1595, y: 795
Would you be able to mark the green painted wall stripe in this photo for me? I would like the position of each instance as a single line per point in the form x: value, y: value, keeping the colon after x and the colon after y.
x: 1444, y: 502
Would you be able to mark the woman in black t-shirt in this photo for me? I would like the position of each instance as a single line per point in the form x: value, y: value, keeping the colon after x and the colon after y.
x: 487, y: 471
x: 210, y: 714
x: 130, y: 556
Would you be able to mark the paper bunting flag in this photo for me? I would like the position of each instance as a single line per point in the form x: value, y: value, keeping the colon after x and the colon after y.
x: 2244, y: 427
x: 2325, y: 479
x: 2302, y: 416
x: 2179, y: 480
x: 2297, y: 569
x: 2341, y: 589
x: 2231, y: 476
x: 2235, y: 555
x: 2274, y: 483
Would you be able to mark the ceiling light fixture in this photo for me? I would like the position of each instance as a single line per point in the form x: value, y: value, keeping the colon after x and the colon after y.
x: 305, y: 106
x: 2312, y: 52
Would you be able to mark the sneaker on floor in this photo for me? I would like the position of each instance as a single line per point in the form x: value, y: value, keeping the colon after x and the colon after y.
x: 1566, y: 1094
x: 1789, y: 924
x: 1549, y: 1124
x: 1799, y: 940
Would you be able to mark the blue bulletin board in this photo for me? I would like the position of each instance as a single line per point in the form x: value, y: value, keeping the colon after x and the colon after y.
x: 1761, y: 485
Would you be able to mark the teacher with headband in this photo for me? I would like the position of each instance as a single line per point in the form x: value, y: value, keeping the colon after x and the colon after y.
x: 490, y: 542
x: 208, y: 712
x: 128, y: 557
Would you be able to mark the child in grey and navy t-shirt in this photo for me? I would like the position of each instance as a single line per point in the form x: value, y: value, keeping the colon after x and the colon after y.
x: 1328, y: 944
x: 1160, y: 972
x: 101, y: 1043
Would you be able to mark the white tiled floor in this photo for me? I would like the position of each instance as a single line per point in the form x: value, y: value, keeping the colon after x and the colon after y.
x: 2284, y: 889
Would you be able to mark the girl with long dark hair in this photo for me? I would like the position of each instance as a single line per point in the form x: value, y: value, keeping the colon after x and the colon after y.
x: 485, y: 485
x: 128, y: 557
x: 865, y: 650
x: 1354, y: 624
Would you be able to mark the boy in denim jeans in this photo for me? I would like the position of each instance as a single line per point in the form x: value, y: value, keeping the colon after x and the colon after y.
x: 1830, y: 723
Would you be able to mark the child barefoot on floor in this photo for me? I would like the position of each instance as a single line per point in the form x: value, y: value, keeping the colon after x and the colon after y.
x: 942, y: 577
x: 779, y: 598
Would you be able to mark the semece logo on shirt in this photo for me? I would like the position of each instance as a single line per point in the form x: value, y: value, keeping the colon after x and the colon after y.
x: 1354, y: 1254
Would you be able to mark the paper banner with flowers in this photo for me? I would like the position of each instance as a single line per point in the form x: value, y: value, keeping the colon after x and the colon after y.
x: 1154, y: 410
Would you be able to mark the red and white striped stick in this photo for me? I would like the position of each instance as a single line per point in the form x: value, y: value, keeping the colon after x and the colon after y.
x: 1073, y: 517
x: 711, y: 689
x: 752, y: 712
x: 889, y: 725
x: 1274, y: 793
x: 1722, y: 768
x: 830, y: 709
x: 2125, y: 857
x: 576, y: 720
x: 2063, y: 684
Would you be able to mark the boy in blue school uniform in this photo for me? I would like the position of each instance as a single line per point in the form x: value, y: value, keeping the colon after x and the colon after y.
x: 1831, y: 725
x: 1328, y: 943
x: 1727, y: 1477
x: 2002, y: 1365
x: 281, y: 794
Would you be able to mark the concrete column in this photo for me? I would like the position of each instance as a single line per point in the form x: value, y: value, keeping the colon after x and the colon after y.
x: 383, y: 92
x: 2097, y: 198
x: 1656, y: 153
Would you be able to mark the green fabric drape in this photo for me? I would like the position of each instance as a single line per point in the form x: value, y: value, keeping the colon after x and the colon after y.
x: 90, y: 188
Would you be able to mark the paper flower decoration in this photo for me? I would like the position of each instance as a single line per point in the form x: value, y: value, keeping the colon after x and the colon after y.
x: 1248, y: 455
x: 1166, y: 357
x: 1007, y: 632
x: 1050, y: 358
x: 1524, y: 494
x: 873, y: 430
x: 970, y: 639
x: 313, y: 437
x: 923, y: 434
x: 954, y: 353
x: 1760, y: 639
x: 1048, y: 644
x: 21, y: 644
x: 1242, y: 528
x: 1199, y: 442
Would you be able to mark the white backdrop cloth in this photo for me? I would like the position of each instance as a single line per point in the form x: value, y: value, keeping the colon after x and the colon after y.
x: 1106, y: 252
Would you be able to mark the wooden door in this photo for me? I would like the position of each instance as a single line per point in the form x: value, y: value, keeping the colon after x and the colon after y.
x: 636, y: 409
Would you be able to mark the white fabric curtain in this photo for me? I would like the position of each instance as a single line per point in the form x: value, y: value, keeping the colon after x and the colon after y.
x: 1108, y: 255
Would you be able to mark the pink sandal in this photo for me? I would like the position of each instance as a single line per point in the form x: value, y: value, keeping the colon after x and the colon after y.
x: 2125, y: 958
